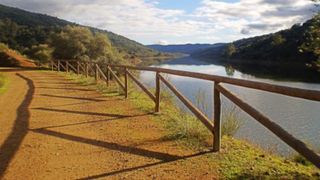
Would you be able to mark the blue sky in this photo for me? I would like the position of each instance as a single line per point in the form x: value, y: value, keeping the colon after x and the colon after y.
x: 186, y: 5
x: 177, y: 22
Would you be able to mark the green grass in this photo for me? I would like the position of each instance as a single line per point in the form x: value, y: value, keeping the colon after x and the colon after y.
x: 180, y: 125
x: 242, y: 160
x: 3, y: 83
x: 238, y: 159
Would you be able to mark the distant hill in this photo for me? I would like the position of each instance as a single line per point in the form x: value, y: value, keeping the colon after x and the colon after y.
x: 280, y: 47
x: 211, y: 52
x: 183, y: 48
x: 37, y: 28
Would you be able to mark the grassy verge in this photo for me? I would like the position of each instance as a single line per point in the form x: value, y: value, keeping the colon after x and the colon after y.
x: 3, y: 83
x: 237, y: 160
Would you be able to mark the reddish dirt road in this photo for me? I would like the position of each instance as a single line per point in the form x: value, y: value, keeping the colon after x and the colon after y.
x: 51, y: 128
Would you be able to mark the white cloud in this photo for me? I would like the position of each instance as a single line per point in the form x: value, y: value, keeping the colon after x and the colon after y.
x: 162, y: 42
x: 213, y: 21
x: 253, y: 17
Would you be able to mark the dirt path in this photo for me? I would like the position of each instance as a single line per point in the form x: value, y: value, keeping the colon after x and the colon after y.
x: 51, y: 128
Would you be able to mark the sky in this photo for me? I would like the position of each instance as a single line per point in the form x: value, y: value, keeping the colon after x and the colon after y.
x: 179, y: 21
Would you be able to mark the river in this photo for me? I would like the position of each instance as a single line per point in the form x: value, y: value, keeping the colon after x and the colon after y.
x: 299, y: 117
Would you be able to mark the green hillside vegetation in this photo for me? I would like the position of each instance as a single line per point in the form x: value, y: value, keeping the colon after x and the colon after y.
x: 298, y: 45
x: 32, y: 32
x: 75, y: 42
x: 281, y: 46
x: 312, y: 40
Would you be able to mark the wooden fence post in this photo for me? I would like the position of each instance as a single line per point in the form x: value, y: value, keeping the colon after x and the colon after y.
x: 217, y: 119
x: 126, y: 83
x: 87, y: 70
x: 108, y: 76
x: 96, y: 73
x: 78, y: 68
x: 157, y: 108
x: 58, y: 65
x: 67, y: 67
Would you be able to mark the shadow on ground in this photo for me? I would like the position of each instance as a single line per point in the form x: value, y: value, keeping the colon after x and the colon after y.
x: 163, y: 157
x: 19, y: 130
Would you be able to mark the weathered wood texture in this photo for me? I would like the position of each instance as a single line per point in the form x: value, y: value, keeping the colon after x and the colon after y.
x: 70, y: 66
x: 289, y: 139
x: 145, y: 89
x: 158, y: 91
x: 126, y: 83
x: 217, y: 118
x: 116, y: 78
x: 189, y: 104
x: 101, y: 73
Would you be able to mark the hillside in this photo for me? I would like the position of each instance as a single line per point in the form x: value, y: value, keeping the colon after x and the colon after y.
x: 183, y: 48
x: 11, y: 58
x: 21, y: 29
x: 280, y: 47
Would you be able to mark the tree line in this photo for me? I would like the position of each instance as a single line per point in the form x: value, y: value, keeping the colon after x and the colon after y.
x: 299, y: 44
x: 70, y: 42
x: 33, y: 34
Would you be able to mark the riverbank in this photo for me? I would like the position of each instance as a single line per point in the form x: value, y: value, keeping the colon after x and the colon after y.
x: 298, y: 116
x: 148, y: 61
x: 281, y: 71
x: 237, y: 159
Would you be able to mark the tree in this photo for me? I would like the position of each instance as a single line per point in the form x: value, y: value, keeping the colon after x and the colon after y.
x: 312, y: 36
x: 75, y: 42
x: 3, y: 47
x: 277, y: 40
x: 41, y: 52
x: 99, y: 46
x: 229, y: 70
x: 312, y: 39
x: 8, y: 32
x: 71, y: 43
x: 230, y: 50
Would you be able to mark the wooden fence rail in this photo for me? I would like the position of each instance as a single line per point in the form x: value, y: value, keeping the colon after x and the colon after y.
x: 215, y: 125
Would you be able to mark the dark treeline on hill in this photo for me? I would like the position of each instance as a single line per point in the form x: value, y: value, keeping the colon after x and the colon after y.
x: 35, y: 35
x: 297, y: 45
x: 184, y: 48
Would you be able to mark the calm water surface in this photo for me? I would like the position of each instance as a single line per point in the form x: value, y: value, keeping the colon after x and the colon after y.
x: 299, y: 117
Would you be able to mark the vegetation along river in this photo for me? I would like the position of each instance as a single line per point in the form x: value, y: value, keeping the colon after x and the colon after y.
x: 298, y: 116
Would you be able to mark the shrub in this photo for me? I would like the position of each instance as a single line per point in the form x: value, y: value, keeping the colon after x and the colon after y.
x: 3, y: 47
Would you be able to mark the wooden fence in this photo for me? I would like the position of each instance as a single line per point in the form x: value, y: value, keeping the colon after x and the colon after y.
x: 214, y: 126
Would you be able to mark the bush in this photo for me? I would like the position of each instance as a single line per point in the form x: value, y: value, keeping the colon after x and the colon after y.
x: 41, y: 52
x: 3, y: 47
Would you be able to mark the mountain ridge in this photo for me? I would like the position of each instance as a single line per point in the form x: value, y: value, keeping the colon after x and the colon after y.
x: 282, y: 46
x: 188, y: 48
x: 35, y: 20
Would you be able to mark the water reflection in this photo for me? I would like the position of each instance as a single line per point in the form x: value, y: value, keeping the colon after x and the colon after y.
x: 229, y: 70
x: 299, y: 117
